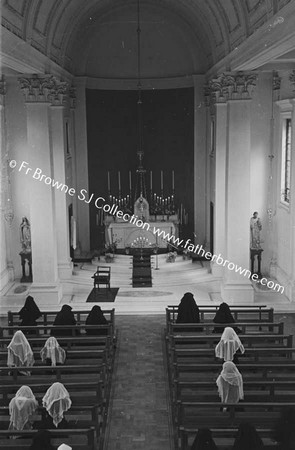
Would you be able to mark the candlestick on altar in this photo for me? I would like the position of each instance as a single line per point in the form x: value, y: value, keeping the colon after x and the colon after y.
x: 109, y: 182
x: 130, y: 186
x: 162, y: 180
x: 172, y: 180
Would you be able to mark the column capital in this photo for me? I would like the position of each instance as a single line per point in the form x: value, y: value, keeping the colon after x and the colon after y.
x: 2, y: 91
x: 44, y: 89
x: 72, y: 96
x: 232, y: 86
x: 276, y: 85
x: 292, y: 79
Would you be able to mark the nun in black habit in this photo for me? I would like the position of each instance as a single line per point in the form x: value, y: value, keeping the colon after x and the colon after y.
x: 64, y: 317
x: 247, y: 438
x: 96, y: 317
x: 188, y: 311
x: 29, y: 315
x: 204, y: 440
x: 224, y: 316
x: 42, y: 441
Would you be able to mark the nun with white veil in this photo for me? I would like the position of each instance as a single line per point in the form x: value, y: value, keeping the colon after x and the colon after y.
x: 56, y: 401
x: 228, y: 345
x: 21, y: 407
x: 230, y: 383
x: 52, y: 352
x: 20, y: 353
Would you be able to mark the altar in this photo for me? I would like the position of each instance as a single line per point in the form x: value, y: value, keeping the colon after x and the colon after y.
x: 125, y: 234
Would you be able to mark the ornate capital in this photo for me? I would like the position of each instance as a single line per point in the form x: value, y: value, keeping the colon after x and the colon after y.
x: 292, y: 78
x: 2, y: 91
x: 276, y: 81
x: 232, y: 86
x: 72, y: 95
x: 46, y: 89
x: 59, y: 92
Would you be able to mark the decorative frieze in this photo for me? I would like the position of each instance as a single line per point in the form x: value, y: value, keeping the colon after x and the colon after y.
x: 232, y: 86
x: 44, y: 89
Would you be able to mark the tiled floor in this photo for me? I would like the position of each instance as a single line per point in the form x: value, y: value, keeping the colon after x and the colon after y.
x: 139, y: 411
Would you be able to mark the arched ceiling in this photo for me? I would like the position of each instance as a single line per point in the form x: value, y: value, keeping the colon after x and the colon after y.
x: 192, y: 35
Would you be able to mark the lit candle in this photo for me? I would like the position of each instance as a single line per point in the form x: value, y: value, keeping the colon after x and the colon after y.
x: 161, y: 180
x: 130, y: 180
x: 151, y: 181
x: 119, y: 180
x: 109, y: 182
x: 172, y: 180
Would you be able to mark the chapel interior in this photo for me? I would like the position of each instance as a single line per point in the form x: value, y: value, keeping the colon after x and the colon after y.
x: 123, y: 117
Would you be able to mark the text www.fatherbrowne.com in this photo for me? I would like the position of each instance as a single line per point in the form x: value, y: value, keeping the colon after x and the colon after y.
x: 99, y: 203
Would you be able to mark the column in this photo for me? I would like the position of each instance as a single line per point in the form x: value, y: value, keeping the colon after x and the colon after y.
x: 45, y: 288
x: 64, y: 263
x: 81, y: 163
x: 292, y: 204
x: 232, y: 196
x: 6, y: 266
x: 220, y: 181
x: 201, y: 202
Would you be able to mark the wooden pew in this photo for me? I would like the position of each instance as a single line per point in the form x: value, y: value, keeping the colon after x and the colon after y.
x: 262, y: 371
x: 77, y: 438
x: 248, y: 340
x: 63, y: 374
x: 81, y: 416
x: 224, y: 438
x: 68, y: 343
x: 48, y: 317
x: 245, y: 327
x: 211, y: 414
x: 241, y: 313
x: 252, y: 354
x: 45, y: 330
x: 76, y: 357
x: 81, y: 393
x: 254, y: 391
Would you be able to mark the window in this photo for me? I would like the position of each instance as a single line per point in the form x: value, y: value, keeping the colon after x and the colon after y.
x: 286, y: 161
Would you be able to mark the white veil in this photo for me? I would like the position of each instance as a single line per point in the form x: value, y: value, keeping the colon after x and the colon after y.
x: 228, y: 345
x: 21, y: 407
x: 232, y: 377
x: 57, y: 401
x: 20, y: 353
x: 53, y: 351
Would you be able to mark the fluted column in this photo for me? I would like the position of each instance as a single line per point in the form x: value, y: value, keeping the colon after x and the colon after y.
x: 37, y: 92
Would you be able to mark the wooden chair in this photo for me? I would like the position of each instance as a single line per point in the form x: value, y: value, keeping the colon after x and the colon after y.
x: 102, y: 276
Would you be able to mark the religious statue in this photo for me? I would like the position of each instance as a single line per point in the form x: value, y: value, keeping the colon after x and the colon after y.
x: 141, y: 209
x: 25, y: 235
x: 255, y: 228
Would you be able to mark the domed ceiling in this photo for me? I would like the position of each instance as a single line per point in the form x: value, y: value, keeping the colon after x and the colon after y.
x: 97, y: 38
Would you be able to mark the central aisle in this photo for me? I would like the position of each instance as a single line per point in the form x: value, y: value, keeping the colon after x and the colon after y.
x: 139, y: 408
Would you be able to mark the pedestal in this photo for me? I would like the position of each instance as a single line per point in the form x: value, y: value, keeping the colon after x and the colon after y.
x: 26, y: 259
x: 256, y: 252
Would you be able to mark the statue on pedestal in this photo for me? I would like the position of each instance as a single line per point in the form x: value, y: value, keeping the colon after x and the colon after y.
x: 26, y: 252
x: 255, y: 228
x: 255, y: 247
x: 25, y: 235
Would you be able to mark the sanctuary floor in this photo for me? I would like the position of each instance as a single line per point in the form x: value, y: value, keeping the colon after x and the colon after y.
x: 170, y: 282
